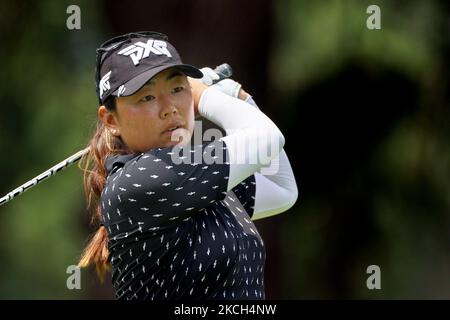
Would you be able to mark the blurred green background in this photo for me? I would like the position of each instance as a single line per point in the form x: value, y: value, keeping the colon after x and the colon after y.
x: 365, y: 114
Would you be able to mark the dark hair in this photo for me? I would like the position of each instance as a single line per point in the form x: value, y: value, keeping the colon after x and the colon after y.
x: 110, y: 103
x: 101, y: 145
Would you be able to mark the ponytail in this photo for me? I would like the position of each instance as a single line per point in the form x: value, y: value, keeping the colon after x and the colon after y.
x: 102, y: 144
x: 97, y: 252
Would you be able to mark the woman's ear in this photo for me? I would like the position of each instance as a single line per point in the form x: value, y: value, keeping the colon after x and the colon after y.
x: 109, y: 120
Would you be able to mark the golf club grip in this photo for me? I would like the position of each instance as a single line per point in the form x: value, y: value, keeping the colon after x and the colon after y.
x: 223, y: 71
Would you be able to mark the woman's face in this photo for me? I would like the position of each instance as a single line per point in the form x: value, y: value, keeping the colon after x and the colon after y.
x: 143, y: 119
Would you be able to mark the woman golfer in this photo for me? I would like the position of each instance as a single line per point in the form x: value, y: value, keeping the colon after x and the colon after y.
x: 174, y: 219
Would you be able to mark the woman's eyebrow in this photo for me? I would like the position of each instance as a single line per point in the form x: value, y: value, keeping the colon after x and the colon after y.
x: 169, y: 77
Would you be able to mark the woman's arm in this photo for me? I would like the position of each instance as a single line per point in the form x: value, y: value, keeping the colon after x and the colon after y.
x: 276, y: 188
x: 252, y: 139
x: 275, y: 193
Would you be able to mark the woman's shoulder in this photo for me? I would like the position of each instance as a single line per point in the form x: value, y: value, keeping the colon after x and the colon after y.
x: 114, y: 162
x: 117, y: 161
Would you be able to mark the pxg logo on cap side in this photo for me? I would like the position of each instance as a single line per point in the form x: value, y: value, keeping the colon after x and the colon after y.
x: 141, y: 50
x: 104, y: 83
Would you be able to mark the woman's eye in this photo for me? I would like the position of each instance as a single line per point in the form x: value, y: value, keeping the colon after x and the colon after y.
x: 178, y: 89
x: 147, y: 98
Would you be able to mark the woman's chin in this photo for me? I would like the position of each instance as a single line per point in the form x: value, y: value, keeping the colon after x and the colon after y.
x: 174, y: 143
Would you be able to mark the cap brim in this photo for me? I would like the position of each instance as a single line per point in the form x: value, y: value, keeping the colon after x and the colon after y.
x: 133, y: 85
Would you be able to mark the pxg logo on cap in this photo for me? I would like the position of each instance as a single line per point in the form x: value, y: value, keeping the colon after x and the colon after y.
x: 141, y: 50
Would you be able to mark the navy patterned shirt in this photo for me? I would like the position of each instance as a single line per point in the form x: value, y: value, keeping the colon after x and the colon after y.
x: 176, y: 233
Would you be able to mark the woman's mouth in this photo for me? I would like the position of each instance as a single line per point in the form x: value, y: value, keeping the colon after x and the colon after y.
x: 174, y: 132
x: 173, y: 129
x: 177, y: 134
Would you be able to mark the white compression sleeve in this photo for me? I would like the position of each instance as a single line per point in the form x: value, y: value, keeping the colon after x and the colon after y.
x: 253, y: 140
x: 275, y: 193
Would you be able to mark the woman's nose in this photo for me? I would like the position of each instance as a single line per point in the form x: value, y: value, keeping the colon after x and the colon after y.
x: 171, y: 109
x: 168, y: 107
